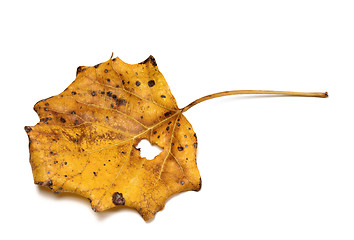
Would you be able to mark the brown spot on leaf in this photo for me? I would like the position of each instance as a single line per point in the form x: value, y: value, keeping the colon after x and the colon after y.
x: 150, y: 59
x: 48, y: 183
x: 28, y: 129
x: 121, y: 102
x: 118, y: 199
x: 167, y: 113
x: 151, y: 83
x: 78, y: 70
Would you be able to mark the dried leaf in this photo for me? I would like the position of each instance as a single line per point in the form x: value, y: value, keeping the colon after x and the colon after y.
x: 86, y: 139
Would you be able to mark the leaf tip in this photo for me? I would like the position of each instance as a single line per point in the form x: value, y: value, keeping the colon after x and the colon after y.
x: 151, y: 60
x: 199, y: 186
x: 48, y: 183
x: 28, y: 129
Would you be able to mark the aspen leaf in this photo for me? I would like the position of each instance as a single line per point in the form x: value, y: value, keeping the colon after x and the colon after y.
x: 86, y: 139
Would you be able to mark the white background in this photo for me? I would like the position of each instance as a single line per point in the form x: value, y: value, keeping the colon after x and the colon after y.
x: 272, y: 167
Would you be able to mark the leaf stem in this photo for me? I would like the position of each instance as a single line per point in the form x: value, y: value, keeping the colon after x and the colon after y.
x: 237, y: 92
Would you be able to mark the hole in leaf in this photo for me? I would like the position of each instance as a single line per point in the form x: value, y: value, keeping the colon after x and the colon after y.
x: 147, y: 150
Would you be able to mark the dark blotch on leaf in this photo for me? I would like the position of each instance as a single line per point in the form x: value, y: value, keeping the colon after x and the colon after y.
x: 150, y: 59
x: 137, y: 83
x: 48, y: 183
x: 168, y: 114
x: 62, y: 120
x: 118, y: 199
x: 180, y: 148
x: 151, y: 83
x: 121, y: 101
x: 78, y: 70
x: 163, y: 96
x: 93, y: 93
x: 28, y: 129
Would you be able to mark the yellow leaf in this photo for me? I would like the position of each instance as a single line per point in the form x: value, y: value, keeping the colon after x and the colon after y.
x: 86, y: 139
x: 85, y: 142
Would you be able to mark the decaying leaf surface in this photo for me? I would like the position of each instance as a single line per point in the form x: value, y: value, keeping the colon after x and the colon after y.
x: 86, y: 139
